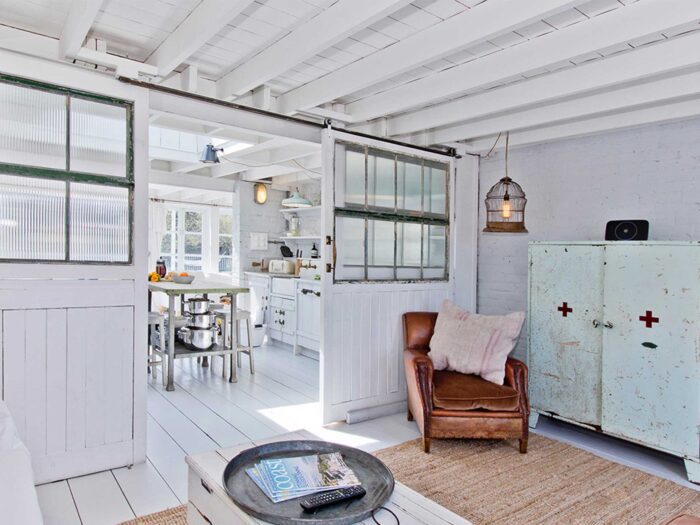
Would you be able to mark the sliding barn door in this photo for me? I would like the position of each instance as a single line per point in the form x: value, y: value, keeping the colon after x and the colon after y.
x: 387, y: 250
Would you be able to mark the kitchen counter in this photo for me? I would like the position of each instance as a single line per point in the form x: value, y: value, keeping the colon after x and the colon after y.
x: 268, y: 274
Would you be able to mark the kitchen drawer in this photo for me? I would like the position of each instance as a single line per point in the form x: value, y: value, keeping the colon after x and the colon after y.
x: 282, y: 303
x: 283, y: 286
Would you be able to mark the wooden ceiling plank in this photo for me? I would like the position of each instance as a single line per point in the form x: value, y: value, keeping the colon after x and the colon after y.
x: 620, y: 25
x: 683, y: 109
x: 328, y: 28
x: 664, y: 58
x: 470, y: 27
x: 624, y: 99
x: 210, y: 17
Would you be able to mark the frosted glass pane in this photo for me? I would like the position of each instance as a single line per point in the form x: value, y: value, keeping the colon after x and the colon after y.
x: 350, y: 176
x: 410, y: 187
x: 97, y: 138
x: 435, y: 188
x: 32, y: 218
x: 381, y: 243
x: 434, y: 246
x: 380, y: 179
x: 350, y: 243
x: 409, y: 244
x: 32, y: 127
x: 99, y: 223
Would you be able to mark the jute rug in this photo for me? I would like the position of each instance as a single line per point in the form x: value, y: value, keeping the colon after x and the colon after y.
x: 174, y: 516
x: 490, y: 482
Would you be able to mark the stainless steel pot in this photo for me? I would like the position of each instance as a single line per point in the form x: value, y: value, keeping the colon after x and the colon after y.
x: 198, y: 305
x: 201, y: 320
x: 202, y: 338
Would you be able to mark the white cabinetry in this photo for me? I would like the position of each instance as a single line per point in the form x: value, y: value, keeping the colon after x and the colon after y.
x: 613, y: 340
x: 308, y: 333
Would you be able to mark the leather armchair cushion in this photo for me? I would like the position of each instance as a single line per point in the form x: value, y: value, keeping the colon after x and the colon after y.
x: 455, y: 391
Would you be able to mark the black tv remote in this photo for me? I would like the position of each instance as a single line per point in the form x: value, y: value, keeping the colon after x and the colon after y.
x: 316, y: 501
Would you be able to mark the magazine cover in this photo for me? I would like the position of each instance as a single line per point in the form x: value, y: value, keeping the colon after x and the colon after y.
x: 286, y: 478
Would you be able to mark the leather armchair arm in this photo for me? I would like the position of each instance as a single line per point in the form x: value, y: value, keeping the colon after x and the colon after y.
x: 516, y: 377
x: 422, y: 367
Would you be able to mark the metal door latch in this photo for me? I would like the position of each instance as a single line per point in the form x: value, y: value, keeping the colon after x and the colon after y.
x: 596, y: 323
x: 608, y: 324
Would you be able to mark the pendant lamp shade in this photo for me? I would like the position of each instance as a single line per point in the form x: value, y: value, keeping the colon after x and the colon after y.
x: 295, y: 200
x: 505, y: 204
x: 209, y: 154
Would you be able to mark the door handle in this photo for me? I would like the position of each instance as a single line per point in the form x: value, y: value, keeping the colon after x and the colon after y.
x: 596, y: 323
x: 608, y: 324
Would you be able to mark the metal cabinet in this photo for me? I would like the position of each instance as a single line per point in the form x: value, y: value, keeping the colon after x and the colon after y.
x: 613, y: 340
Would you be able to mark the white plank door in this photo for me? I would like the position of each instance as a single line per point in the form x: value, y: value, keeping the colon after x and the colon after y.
x: 565, y: 329
x: 651, y: 373
x: 361, y: 358
x: 68, y: 381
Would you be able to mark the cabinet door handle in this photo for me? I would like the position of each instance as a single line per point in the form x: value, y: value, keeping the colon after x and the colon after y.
x: 282, y: 321
x: 596, y: 323
x: 608, y: 324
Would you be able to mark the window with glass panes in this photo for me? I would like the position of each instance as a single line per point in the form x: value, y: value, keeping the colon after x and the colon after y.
x: 225, y: 242
x: 391, y: 216
x: 181, y: 246
x: 66, y: 175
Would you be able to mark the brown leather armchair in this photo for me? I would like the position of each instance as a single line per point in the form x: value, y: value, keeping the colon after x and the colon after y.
x: 448, y: 404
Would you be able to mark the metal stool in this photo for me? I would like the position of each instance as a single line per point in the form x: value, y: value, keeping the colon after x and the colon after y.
x: 241, y: 315
x: 156, y: 319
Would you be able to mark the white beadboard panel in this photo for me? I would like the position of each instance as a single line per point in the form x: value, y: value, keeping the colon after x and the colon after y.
x: 364, y: 351
x: 68, y: 380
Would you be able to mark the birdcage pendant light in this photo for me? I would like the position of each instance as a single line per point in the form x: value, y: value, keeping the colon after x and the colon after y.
x: 505, y: 204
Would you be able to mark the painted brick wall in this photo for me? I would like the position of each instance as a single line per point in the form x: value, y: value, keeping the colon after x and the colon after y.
x: 575, y: 186
x: 252, y: 217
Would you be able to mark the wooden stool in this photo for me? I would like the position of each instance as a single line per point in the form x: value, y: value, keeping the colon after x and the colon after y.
x: 241, y: 315
x: 156, y: 319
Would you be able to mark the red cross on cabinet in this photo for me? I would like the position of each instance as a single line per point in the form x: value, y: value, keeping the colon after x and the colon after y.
x: 565, y: 309
x: 648, y: 319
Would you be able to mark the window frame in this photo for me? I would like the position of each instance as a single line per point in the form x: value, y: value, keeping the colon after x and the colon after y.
x: 179, y: 232
x: 68, y: 176
x: 219, y: 257
x: 397, y: 216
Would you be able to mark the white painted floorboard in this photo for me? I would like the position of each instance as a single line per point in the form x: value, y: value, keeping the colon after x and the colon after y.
x: 206, y: 412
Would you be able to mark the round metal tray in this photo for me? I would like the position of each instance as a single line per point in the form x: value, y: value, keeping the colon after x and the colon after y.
x: 375, y: 477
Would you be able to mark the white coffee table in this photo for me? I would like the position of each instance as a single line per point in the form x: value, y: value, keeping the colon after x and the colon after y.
x: 208, y: 503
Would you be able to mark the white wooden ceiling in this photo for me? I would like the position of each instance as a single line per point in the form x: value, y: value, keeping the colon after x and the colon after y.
x: 427, y: 71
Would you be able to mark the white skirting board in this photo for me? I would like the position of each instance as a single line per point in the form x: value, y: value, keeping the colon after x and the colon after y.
x: 363, y: 414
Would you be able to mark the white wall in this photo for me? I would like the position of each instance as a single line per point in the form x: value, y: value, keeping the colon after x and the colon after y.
x: 254, y: 217
x: 575, y: 186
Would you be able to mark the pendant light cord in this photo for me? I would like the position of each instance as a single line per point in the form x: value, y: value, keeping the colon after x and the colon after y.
x: 494, y: 145
x: 507, y: 146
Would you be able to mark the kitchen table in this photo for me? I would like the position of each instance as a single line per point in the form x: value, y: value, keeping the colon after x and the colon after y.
x: 176, y: 350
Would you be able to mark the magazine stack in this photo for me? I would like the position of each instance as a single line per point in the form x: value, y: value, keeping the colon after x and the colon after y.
x: 283, y: 479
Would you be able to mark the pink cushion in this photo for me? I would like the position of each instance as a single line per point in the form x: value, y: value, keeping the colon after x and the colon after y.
x: 472, y: 343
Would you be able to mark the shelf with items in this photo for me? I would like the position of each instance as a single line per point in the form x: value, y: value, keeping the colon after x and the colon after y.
x: 299, y: 238
x: 313, y: 210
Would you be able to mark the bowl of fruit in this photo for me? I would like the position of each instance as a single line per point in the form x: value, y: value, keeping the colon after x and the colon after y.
x: 183, y: 278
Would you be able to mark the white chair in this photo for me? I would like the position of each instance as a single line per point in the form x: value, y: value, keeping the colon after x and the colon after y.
x: 224, y: 314
x: 157, y: 354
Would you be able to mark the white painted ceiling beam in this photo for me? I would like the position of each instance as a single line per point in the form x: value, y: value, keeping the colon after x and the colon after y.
x: 622, y: 25
x: 329, y: 27
x: 189, y: 181
x: 470, y: 27
x: 620, y: 100
x: 238, y: 119
x: 202, y: 24
x: 652, y: 115
x: 632, y: 66
x: 312, y: 163
x: 81, y: 15
x: 47, y: 48
x: 285, y: 154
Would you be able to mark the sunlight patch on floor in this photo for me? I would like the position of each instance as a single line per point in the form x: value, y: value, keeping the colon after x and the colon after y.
x: 294, y: 417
